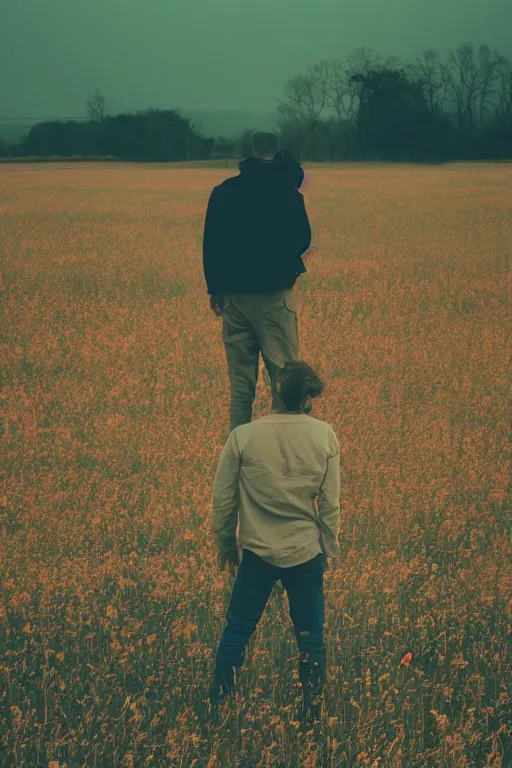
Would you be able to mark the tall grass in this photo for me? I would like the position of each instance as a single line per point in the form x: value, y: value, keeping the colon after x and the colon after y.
x: 114, y: 403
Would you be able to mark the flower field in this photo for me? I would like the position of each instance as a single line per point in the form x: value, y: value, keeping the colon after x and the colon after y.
x: 114, y: 406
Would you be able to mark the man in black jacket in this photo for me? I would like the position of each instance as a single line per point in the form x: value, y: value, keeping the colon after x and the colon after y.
x: 256, y: 230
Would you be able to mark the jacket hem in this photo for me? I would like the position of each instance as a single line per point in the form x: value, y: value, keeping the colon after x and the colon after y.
x: 298, y: 557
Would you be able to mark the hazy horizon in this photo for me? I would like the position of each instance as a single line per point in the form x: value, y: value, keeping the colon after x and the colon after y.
x: 56, y: 54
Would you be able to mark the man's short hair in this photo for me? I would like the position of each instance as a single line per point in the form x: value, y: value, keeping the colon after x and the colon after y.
x: 264, y: 143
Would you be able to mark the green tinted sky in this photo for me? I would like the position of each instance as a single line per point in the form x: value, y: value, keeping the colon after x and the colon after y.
x: 200, y: 54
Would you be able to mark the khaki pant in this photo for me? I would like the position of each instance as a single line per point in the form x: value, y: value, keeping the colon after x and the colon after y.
x: 254, y: 323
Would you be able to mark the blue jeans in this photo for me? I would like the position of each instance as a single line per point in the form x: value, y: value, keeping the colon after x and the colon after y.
x: 253, y: 585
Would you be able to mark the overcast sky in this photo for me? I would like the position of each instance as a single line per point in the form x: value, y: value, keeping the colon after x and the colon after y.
x: 199, y: 54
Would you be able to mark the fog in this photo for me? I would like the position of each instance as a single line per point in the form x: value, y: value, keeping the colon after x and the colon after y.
x: 198, y: 55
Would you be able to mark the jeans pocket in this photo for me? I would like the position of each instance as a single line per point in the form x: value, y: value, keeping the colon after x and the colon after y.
x: 290, y: 301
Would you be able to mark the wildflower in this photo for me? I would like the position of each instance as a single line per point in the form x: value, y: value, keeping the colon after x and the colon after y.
x: 406, y: 659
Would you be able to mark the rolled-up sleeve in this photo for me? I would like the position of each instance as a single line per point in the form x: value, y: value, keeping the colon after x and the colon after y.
x: 329, y: 501
x: 226, y: 494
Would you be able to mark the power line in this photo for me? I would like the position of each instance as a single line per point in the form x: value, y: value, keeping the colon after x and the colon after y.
x: 43, y: 118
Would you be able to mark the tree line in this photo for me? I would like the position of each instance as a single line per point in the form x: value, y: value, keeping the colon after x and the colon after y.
x: 364, y: 107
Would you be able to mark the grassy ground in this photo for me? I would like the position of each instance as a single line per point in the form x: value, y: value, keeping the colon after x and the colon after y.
x: 114, y: 400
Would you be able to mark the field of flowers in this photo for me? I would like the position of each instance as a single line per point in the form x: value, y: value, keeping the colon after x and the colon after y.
x: 114, y: 404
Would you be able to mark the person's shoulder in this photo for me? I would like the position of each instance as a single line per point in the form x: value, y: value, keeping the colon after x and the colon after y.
x: 289, y: 168
x: 324, y: 424
x: 228, y: 187
x: 224, y: 184
x: 327, y: 428
x: 321, y: 430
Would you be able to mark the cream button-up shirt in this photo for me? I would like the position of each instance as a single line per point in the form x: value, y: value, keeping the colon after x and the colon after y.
x: 276, y: 489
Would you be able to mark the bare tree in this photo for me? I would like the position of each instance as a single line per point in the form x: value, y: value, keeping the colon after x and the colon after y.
x: 466, y: 84
x: 342, y: 95
x: 96, y: 107
x: 306, y: 100
x: 328, y: 110
x: 360, y: 62
x: 428, y: 74
x: 463, y: 79
x: 357, y: 66
x: 489, y: 68
x: 503, y: 107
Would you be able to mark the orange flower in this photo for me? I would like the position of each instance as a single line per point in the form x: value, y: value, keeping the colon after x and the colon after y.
x: 406, y: 659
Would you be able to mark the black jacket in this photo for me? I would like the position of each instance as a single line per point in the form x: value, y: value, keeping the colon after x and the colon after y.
x: 256, y: 228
